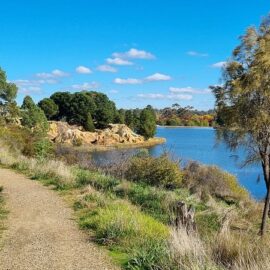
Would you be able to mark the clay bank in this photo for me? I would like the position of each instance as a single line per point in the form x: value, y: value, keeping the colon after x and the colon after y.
x: 114, y: 136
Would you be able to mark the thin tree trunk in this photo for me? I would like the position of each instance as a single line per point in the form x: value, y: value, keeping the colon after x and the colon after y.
x: 266, y: 172
x: 265, y: 212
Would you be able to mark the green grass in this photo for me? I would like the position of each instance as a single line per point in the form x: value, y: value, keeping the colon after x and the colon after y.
x: 3, y: 212
x: 136, y: 240
x: 131, y: 219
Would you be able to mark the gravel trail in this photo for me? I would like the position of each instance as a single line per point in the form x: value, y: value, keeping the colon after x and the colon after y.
x: 41, y: 233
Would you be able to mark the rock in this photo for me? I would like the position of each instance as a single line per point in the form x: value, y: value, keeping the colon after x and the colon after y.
x: 62, y: 132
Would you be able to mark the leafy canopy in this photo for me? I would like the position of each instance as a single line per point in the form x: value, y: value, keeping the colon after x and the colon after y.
x: 243, y: 101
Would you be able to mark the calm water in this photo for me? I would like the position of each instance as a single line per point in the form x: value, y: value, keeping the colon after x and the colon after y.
x: 200, y: 144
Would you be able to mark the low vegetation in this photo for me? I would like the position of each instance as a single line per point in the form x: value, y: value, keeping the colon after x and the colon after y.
x: 133, y: 215
x: 3, y: 211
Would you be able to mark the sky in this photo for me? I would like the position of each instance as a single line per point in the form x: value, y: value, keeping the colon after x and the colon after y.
x: 138, y: 52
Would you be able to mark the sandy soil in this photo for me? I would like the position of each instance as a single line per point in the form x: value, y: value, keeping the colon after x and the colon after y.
x: 41, y: 233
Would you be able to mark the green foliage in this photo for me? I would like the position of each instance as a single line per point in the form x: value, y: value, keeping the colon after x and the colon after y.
x: 147, y: 126
x: 9, y: 111
x: 43, y: 148
x: 184, y: 116
x: 120, y: 117
x: 49, y: 107
x: 8, y: 91
x: 160, y: 171
x: 75, y: 109
x: 33, y: 117
x: 62, y: 100
x: 81, y: 106
x: 243, y: 101
x: 173, y: 122
x: 89, y: 124
x: 106, y: 110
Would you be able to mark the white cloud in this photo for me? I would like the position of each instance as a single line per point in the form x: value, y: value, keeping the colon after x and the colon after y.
x: 85, y: 86
x: 134, y: 54
x: 158, y: 77
x: 151, y: 78
x: 167, y: 96
x: 56, y: 73
x: 48, y: 81
x: 59, y: 73
x: 32, y: 86
x: 106, y: 68
x: 197, y: 54
x: 83, y: 70
x: 44, y: 75
x: 113, y: 91
x: 219, y: 64
x: 127, y: 81
x: 189, y: 90
x: 29, y: 90
x: 118, y: 61
x: 21, y: 82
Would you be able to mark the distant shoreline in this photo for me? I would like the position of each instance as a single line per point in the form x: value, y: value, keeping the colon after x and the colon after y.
x: 185, y: 127
x: 102, y: 148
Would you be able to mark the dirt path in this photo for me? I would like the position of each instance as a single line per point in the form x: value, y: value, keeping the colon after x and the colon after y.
x: 41, y: 233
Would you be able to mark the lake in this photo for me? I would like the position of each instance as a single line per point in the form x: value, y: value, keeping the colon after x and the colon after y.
x: 189, y: 143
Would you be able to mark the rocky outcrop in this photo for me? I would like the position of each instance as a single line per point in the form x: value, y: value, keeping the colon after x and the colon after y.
x: 62, y: 132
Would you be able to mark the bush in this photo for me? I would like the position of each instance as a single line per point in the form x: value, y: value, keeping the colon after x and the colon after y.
x: 210, y: 180
x: 160, y: 171
x: 43, y: 148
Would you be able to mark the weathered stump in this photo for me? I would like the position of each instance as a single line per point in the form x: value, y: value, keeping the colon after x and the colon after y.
x: 185, y: 217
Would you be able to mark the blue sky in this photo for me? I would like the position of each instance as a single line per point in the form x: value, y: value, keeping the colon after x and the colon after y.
x: 138, y: 52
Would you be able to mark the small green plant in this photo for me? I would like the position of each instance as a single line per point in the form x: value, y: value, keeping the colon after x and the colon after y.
x: 43, y: 148
x: 160, y: 171
x: 77, y: 142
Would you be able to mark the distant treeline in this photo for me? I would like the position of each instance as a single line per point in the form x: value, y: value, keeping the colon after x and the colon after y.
x: 184, y: 116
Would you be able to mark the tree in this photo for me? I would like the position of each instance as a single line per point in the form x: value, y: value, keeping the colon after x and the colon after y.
x: 89, y: 124
x: 129, y: 119
x: 49, y: 107
x: 81, y: 105
x: 147, y: 126
x: 120, y: 117
x: 62, y: 100
x: 33, y: 117
x: 243, y: 102
x: 8, y: 92
x: 105, y: 109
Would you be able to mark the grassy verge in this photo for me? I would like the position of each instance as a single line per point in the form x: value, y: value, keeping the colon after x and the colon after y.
x: 133, y: 220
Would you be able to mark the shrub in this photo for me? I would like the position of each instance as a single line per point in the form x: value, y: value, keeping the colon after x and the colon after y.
x: 213, y: 181
x: 77, y: 142
x: 43, y: 148
x: 160, y: 171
